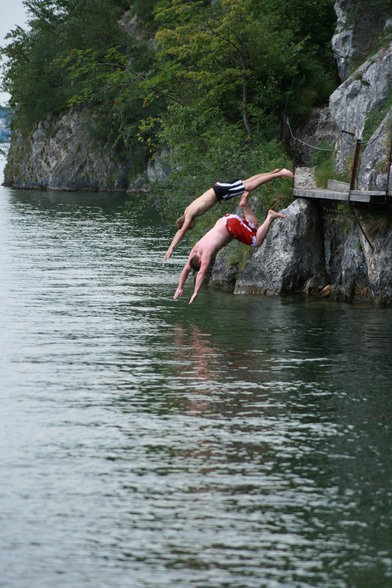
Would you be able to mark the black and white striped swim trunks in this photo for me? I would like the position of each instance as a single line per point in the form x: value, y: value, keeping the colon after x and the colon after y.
x: 225, y: 190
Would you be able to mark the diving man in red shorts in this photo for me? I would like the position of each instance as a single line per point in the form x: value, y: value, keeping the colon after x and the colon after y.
x: 229, y: 227
x: 221, y: 191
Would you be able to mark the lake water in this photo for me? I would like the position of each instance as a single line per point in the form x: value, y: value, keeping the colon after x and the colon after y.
x: 238, y: 442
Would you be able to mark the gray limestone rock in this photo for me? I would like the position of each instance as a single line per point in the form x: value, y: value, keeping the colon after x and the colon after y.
x: 342, y: 41
x: 321, y: 250
x: 289, y: 256
x: 61, y: 155
x: 158, y: 169
x: 352, y: 284
x: 365, y: 90
x: 374, y: 165
x: 378, y: 255
x: 357, y: 267
x: 358, y: 29
x: 333, y: 241
x: 224, y: 272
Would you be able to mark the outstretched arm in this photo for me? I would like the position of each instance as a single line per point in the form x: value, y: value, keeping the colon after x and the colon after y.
x: 178, y: 236
x: 201, y: 274
x: 184, y: 275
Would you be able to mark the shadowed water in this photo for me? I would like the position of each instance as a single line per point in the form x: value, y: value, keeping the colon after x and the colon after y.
x: 238, y: 442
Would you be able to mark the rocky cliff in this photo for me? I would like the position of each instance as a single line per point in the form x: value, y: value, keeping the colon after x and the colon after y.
x: 61, y: 155
x: 330, y: 249
x: 319, y: 250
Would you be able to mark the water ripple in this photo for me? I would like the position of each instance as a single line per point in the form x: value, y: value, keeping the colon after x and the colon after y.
x: 240, y: 442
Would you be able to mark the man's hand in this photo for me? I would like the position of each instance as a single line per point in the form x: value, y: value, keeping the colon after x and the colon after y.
x: 193, y: 297
x: 168, y: 254
x: 178, y: 293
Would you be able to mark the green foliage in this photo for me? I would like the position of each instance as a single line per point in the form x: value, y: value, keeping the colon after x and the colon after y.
x: 239, y: 58
x: 110, y: 87
x: 211, y: 87
x: 37, y: 83
x: 315, y: 75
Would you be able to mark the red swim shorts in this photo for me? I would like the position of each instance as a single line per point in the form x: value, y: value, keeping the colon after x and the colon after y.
x: 241, y: 229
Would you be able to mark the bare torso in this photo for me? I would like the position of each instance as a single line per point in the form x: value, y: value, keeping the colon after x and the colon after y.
x: 212, y: 241
x: 201, y: 204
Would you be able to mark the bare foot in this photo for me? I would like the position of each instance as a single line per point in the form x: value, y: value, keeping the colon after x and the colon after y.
x: 273, y: 215
x: 244, y: 199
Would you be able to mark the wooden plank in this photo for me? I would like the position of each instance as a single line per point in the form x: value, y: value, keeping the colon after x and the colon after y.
x: 320, y: 194
x: 360, y: 196
x: 338, y: 186
x: 370, y: 192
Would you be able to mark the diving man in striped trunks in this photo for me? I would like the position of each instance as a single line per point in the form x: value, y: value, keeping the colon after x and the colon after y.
x: 219, y: 192
x: 231, y: 226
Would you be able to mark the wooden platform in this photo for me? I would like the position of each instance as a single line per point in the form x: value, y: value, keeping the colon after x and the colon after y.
x: 358, y: 196
x: 339, y: 192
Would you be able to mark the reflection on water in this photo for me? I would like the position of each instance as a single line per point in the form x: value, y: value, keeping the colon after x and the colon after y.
x: 239, y: 442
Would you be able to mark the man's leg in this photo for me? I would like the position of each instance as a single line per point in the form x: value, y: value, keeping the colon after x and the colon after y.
x: 259, y: 179
x: 248, y: 212
x: 265, y: 227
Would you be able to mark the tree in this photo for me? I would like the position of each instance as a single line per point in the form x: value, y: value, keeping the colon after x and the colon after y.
x: 234, y: 59
x: 37, y: 82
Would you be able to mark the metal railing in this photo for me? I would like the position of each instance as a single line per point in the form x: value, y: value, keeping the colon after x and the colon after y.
x: 358, y: 145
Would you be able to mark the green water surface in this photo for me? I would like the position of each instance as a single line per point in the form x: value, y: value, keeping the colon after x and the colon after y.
x: 238, y: 442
